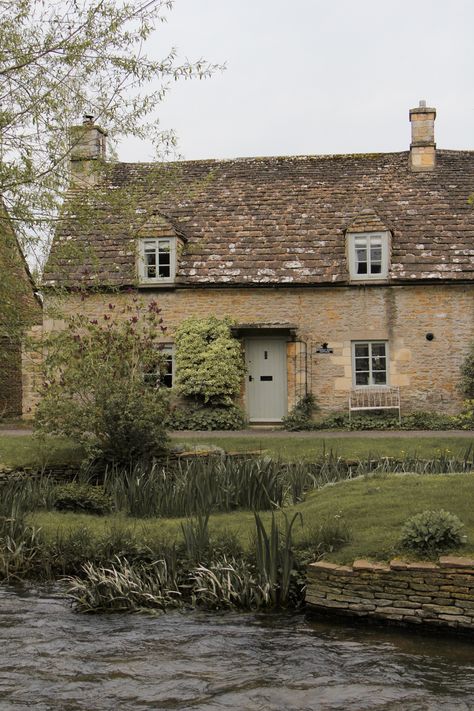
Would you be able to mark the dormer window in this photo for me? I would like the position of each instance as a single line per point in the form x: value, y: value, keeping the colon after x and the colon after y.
x: 368, y: 255
x: 157, y: 260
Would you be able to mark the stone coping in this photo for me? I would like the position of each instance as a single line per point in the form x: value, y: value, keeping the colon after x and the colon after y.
x: 446, y: 561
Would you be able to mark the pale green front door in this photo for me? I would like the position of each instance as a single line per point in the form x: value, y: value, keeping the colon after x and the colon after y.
x: 266, y: 387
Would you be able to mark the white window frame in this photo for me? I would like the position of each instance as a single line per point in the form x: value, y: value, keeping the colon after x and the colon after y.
x: 371, y: 384
x: 142, y: 266
x: 368, y: 238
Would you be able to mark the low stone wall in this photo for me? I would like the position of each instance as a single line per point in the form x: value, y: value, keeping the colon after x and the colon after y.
x: 428, y: 594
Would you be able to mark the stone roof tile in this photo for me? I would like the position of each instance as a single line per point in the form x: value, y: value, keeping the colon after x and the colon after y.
x: 271, y: 220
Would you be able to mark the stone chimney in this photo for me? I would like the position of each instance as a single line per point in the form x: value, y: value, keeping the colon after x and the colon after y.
x: 88, y: 148
x: 423, y: 146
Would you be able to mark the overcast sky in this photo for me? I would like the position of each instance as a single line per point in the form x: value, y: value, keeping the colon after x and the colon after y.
x: 316, y: 77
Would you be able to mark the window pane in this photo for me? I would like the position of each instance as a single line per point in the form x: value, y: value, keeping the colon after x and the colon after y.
x: 362, y: 350
x: 378, y: 349
x: 361, y: 258
x: 167, y: 377
x: 379, y: 378
x: 362, y: 378
x: 379, y: 363
x: 164, y: 270
x: 362, y: 364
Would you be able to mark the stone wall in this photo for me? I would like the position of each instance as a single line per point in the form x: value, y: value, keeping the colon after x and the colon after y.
x: 433, y: 595
x: 10, y: 377
x: 427, y: 371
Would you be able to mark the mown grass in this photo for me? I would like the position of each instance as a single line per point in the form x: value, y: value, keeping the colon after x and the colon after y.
x: 375, y: 507
x: 29, y: 451
x: 294, y: 448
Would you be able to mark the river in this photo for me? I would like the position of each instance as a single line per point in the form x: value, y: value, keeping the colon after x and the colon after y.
x: 52, y: 658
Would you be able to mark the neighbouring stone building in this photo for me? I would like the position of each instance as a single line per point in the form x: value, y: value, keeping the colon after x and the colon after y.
x: 342, y: 272
x: 20, y: 309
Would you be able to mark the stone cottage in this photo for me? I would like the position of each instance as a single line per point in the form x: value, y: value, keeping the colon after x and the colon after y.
x: 20, y: 309
x: 343, y: 273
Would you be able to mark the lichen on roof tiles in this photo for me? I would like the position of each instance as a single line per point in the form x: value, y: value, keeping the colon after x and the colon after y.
x: 285, y: 215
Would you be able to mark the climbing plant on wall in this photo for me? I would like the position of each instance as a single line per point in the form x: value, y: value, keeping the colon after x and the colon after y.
x: 209, y: 361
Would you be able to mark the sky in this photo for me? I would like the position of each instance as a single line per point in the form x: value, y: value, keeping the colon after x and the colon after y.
x: 316, y: 77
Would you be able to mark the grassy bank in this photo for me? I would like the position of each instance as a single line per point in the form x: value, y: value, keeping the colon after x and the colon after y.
x: 185, y: 533
x: 373, y: 507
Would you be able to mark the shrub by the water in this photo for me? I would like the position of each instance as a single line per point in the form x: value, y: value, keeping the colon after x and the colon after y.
x: 81, y: 497
x: 431, y: 532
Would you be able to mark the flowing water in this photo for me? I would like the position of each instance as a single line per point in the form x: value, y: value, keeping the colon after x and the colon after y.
x: 52, y: 658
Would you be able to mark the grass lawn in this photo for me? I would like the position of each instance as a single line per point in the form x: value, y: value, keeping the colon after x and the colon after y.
x: 27, y: 451
x: 292, y: 448
x: 375, y: 508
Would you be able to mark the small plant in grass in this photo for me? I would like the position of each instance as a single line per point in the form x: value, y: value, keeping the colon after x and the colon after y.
x: 81, y: 497
x: 431, y: 532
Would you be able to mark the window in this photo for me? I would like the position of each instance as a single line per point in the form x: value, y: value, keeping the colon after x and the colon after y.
x: 369, y: 363
x: 368, y: 255
x: 165, y: 377
x: 157, y: 260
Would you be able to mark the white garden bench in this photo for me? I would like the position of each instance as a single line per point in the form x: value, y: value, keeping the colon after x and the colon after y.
x: 375, y: 398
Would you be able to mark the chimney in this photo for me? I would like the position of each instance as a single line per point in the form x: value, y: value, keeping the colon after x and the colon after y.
x: 88, y: 148
x: 423, y: 146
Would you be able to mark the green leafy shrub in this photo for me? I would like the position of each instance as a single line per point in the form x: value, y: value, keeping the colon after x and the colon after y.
x: 385, y: 420
x: 81, y: 497
x: 465, y: 420
x: 429, y: 421
x: 301, y: 416
x: 431, y: 532
x: 209, y: 361
x: 466, y: 384
x: 206, y: 418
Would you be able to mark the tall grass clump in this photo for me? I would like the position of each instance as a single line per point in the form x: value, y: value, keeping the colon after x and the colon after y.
x: 185, y: 488
x: 200, y: 575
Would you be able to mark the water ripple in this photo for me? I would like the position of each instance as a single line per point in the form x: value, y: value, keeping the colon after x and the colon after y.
x: 54, y: 660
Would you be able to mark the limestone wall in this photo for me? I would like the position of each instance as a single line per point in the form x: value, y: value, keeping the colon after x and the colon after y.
x: 427, y: 371
x: 434, y: 595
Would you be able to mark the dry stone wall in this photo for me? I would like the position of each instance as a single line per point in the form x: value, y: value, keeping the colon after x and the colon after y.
x: 427, y: 594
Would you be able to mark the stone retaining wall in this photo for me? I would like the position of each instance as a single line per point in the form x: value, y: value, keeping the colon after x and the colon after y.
x: 433, y: 595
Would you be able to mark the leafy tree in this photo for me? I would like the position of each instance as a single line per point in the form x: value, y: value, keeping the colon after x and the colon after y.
x: 209, y: 361
x: 61, y: 59
x: 96, y: 387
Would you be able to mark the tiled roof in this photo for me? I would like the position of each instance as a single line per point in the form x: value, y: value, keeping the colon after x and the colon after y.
x: 271, y: 220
